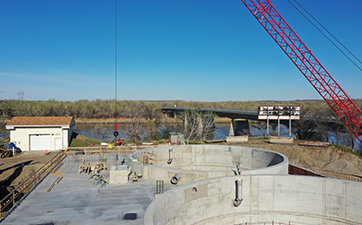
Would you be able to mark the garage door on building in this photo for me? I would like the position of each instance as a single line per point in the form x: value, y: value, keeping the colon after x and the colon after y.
x: 40, y: 142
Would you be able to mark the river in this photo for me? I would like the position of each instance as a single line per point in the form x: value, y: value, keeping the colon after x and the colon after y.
x: 221, y: 130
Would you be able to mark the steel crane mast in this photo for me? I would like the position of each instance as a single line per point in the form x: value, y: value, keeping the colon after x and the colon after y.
x: 307, y: 63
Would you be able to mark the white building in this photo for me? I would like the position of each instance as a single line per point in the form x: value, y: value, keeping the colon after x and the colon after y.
x: 41, y: 133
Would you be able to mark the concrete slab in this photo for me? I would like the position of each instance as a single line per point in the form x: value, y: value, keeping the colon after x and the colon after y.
x: 237, y: 139
x: 72, y: 201
x: 281, y: 140
x: 119, y: 176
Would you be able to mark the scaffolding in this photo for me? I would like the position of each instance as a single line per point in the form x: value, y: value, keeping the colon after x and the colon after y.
x: 149, y: 158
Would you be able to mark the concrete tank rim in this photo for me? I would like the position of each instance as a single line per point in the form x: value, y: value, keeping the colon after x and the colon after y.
x: 148, y: 217
x: 285, y: 158
x: 148, y: 220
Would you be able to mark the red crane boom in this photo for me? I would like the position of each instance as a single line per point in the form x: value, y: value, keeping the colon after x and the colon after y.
x: 307, y: 63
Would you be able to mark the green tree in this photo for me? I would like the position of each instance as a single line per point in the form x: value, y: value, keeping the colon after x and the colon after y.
x: 7, y: 109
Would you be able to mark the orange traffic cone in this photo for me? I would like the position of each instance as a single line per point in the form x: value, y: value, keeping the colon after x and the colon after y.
x: 46, y: 152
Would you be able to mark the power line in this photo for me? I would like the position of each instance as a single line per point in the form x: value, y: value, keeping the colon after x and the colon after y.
x: 326, y: 35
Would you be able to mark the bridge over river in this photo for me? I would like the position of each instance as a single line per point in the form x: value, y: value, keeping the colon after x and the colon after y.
x: 241, y: 127
x: 229, y: 113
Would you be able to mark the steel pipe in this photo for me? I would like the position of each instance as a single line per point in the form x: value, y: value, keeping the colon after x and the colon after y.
x: 238, y: 192
x: 169, y: 156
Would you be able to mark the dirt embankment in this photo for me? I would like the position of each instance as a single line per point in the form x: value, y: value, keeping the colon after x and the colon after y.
x: 330, y: 158
x: 16, y: 169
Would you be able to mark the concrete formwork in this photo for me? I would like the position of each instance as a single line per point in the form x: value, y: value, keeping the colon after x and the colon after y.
x: 197, y: 162
x: 266, y: 198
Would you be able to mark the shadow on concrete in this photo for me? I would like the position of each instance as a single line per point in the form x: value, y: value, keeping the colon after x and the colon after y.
x: 276, y: 160
x: 5, y: 187
x: 16, y: 173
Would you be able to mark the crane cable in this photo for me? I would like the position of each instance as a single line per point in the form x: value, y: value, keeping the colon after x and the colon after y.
x: 115, y: 69
x: 115, y: 59
x: 326, y: 35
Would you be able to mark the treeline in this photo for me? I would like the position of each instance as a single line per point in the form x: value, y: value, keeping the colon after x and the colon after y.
x: 79, y: 109
x: 311, y: 126
x: 109, y: 109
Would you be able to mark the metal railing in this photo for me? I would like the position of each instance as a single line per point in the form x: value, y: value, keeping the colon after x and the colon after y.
x: 275, y: 223
x: 296, y: 170
x: 10, y: 200
x: 104, y: 150
x: 338, y: 175
x: 84, y: 159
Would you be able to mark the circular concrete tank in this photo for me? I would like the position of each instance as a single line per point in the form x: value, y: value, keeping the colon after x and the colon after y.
x: 197, y: 162
x: 265, y: 199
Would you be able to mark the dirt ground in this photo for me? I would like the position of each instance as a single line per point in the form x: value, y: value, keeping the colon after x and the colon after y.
x: 329, y: 158
x: 16, y: 169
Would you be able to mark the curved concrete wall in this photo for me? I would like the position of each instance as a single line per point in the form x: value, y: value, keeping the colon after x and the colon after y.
x: 266, y: 198
x: 197, y: 162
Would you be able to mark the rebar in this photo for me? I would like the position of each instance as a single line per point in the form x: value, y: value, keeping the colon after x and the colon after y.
x: 159, y: 187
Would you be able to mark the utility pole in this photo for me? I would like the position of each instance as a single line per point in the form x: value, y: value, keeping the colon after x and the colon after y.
x: 21, y: 98
x: 21, y: 95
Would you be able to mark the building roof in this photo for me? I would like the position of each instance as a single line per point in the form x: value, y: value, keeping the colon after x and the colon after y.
x: 41, y: 121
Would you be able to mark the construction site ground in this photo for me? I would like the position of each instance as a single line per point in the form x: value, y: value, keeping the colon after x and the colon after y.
x: 72, y: 201
x: 14, y: 170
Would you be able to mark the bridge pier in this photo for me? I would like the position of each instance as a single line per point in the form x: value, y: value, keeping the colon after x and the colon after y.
x: 239, y: 127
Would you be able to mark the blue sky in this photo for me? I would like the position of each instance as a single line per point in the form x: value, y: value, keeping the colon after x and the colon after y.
x: 193, y: 50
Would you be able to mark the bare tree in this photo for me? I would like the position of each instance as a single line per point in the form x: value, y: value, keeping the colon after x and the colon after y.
x: 197, y: 125
x: 153, y: 115
x: 189, y: 119
x: 208, y: 126
x: 348, y: 139
x: 99, y: 133
x: 305, y: 127
x: 133, y: 113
